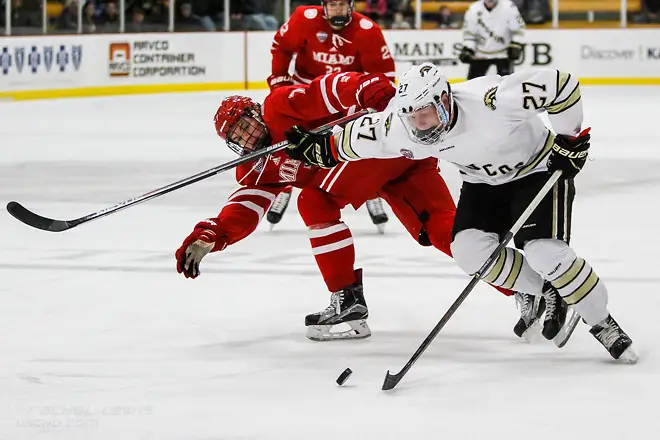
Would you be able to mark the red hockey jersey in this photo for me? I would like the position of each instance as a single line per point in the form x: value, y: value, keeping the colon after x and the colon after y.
x: 358, y: 47
x: 326, y: 99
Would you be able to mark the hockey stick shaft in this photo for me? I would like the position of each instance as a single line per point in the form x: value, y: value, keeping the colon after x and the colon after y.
x: 26, y: 216
x: 391, y: 380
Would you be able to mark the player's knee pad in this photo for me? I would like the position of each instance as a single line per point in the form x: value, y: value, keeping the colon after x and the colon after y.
x: 472, y: 247
x: 317, y: 207
x: 549, y: 257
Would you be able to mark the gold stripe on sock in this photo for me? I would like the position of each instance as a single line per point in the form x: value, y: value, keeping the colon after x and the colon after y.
x: 567, y: 277
x: 585, y: 288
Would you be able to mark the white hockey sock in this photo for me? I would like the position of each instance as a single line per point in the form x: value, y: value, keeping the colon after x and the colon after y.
x: 572, y: 276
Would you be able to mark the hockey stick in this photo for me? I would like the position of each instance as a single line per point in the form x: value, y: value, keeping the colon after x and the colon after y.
x: 391, y: 380
x: 28, y: 217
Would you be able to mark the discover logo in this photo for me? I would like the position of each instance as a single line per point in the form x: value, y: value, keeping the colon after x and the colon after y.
x: 593, y: 53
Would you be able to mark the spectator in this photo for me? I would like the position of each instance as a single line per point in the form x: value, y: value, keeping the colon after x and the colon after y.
x: 109, y: 19
x: 376, y: 9
x: 156, y: 12
x: 446, y: 18
x: 68, y: 19
x: 89, y: 18
x: 24, y: 13
x: 650, y: 12
x: 254, y: 14
x: 186, y: 21
x: 535, y: 11
x: 137, y: 21
x: 399, y: 22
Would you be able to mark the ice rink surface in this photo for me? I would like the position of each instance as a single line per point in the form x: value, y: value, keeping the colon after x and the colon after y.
x: 100, y: 338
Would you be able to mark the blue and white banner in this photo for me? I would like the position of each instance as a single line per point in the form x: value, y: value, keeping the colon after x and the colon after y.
x: 34, y: 59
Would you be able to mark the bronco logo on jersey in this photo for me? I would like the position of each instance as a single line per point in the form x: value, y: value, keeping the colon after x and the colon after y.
x: 490, y: 98
x: 388, y: 123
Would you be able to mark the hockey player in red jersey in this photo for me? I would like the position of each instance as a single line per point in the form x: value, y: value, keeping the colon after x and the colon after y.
x: 246, y: 126
x: 327, y: 39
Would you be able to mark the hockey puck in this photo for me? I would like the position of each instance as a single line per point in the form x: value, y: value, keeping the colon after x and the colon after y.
x: 343, y: 377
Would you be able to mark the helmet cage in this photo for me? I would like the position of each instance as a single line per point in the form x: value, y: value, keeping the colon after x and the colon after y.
x: 431, y: 135
x: 339, y: 21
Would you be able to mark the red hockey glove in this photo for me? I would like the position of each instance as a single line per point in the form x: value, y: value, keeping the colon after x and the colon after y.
x: 375, y: 92
x: 275, y: 81
x: 205, y: 238
x: 569, y: 154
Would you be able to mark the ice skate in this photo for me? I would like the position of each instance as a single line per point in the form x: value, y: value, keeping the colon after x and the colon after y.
x: 555, y: 311
x: 615, y: 340
x: 531, y: 309
x: 346, y: 307
x: 377, y: 214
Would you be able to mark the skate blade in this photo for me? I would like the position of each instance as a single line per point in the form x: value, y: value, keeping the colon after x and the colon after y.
x: 628, y: 356
x: 567, y: 329
x: 381, y: 228
x: 321, y: 333
x: 533, y: 332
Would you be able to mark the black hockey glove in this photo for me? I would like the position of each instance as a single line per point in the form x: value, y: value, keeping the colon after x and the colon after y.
x: 514, y: 51
x: 569, y: 154
x: 467, y: 55
x: 311, y: 148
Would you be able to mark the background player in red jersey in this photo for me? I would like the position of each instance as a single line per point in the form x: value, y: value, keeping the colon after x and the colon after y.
x: 414, y: 189
x: 327, y: 39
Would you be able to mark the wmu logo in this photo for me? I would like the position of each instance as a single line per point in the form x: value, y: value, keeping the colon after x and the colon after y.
x: 424, y: 70
x: 119, y: 63
x: 489, y: 98
x: 388, y: 123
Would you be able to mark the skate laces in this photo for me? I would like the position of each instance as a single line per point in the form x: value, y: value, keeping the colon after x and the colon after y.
x: 280, y: 202
x: 375, y: 207
x: 336, y: 299
x: 550, y: 304
x: 608, y: 335
x: 525, y: 302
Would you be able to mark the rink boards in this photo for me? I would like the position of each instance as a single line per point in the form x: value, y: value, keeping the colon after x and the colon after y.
x: 96, y: 65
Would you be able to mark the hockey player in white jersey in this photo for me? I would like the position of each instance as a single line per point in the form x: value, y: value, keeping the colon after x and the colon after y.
x: 491, y: 129
x: 493, y: 33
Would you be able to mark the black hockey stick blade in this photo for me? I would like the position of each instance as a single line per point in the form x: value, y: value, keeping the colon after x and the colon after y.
x: 391, y: 380
x: 28, y: 217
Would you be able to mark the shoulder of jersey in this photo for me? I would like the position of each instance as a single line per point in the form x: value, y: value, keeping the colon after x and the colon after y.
x: 363, y: 22
x: 311, y: 13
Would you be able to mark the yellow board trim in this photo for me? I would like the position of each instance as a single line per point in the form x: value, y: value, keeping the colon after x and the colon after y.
x: 135, y: 89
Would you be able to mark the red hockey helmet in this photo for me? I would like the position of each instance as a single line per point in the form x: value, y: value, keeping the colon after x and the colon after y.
x: 239, y: 122
x: 330, y: 6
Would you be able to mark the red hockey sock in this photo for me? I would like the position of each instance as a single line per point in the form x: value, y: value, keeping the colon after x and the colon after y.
x: 331, y: 240
x: 332, y: 246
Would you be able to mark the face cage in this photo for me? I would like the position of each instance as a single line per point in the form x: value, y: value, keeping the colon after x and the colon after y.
x: 255, y: 124
x: 340, y: 20
x: 429, y: 136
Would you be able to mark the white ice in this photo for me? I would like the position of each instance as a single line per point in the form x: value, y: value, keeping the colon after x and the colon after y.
x: 100, y: 338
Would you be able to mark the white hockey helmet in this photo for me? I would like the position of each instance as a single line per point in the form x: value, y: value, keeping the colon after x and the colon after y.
x: 424, y: 92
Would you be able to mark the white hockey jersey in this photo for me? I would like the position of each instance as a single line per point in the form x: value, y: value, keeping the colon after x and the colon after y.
x: 497, y: 134
x: 489, y: 33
